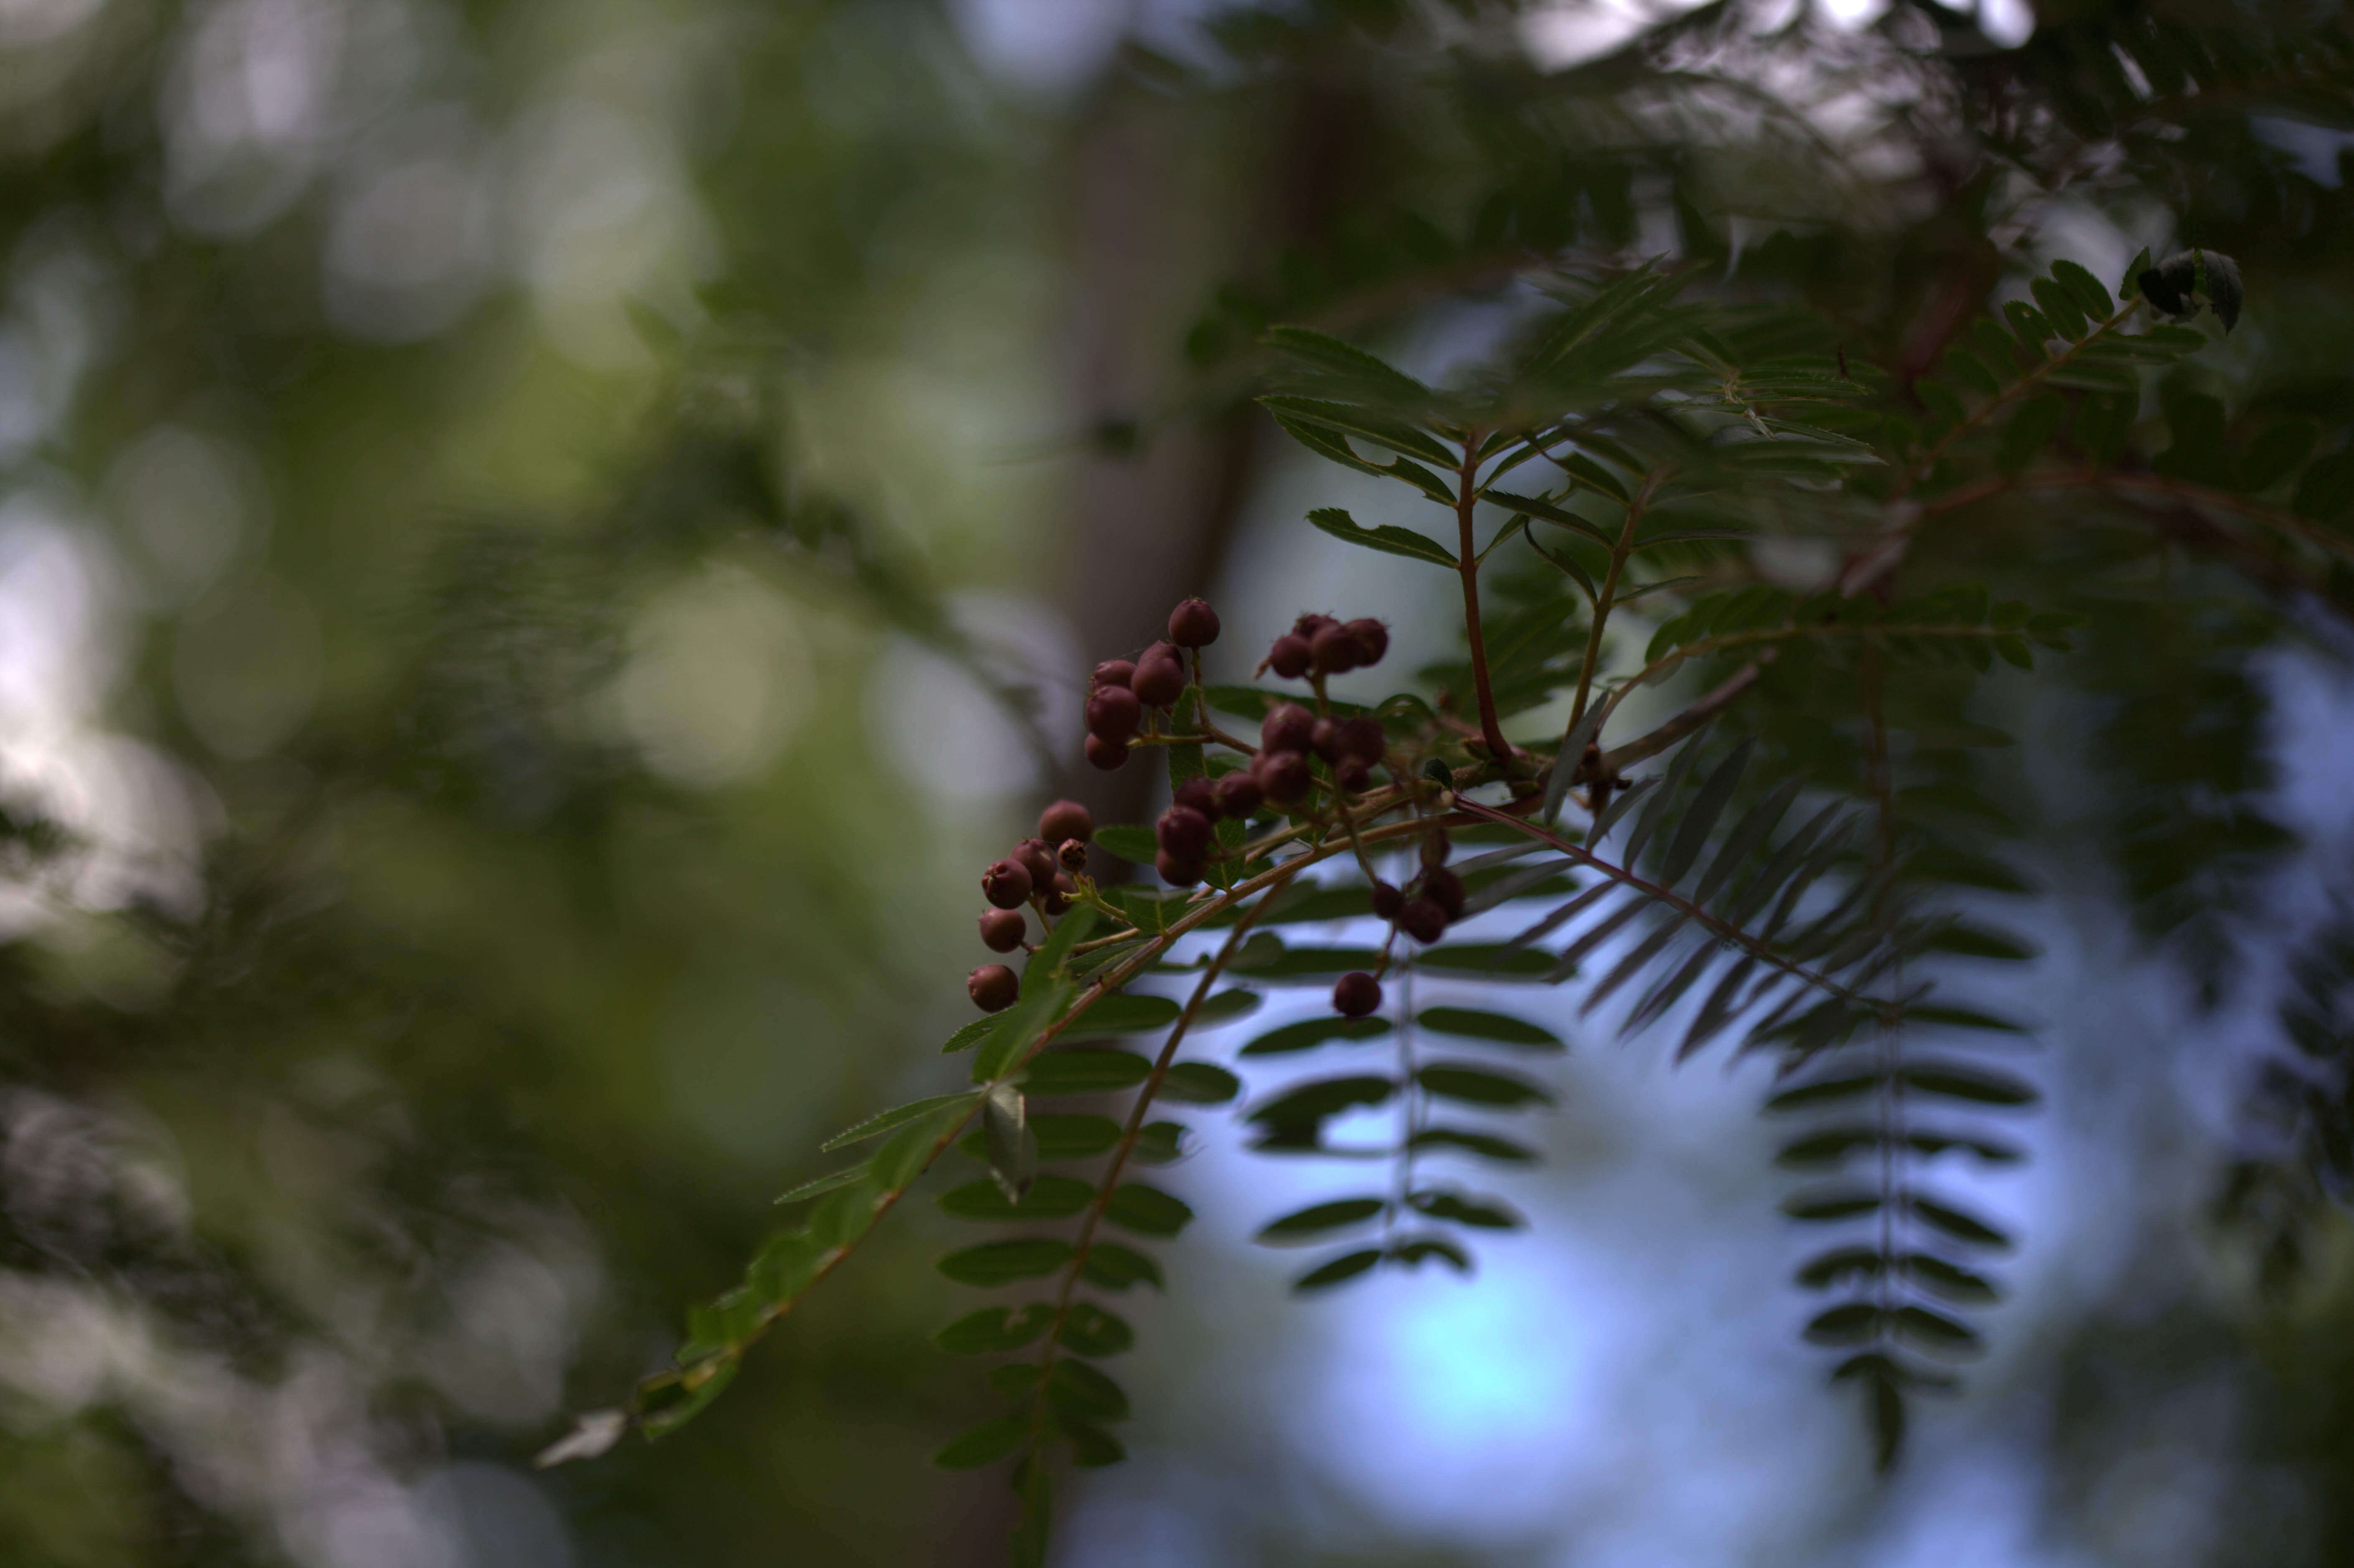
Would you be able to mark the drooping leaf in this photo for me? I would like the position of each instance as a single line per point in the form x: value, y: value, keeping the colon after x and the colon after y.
x: 1310, y: 1224
x: 1347, y: 1267
x: 1387, y: 539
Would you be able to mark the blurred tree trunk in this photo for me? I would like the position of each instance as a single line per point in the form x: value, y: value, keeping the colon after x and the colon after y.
x: 1152, y: 524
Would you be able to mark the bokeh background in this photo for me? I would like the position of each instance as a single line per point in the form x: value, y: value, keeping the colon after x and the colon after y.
x: 542, y: 543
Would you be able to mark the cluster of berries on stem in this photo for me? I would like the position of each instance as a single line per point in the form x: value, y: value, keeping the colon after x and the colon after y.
x: 1132, y: 703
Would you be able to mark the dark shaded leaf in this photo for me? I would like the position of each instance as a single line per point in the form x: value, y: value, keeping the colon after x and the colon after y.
x: 1959, y: 1081
x: 1084, y: 1072
x: 1147, y: 1210
x: 993, y: 1330
x: 1477, y: 1086
x: 1309, y: 1224
x: 1311, y: 1102
x: 1959, y: 1224
x: 1116, y: 1267
x: 1089, y: 1330
x: 1002, y: 1263
x: 989, y: 1441
x: 1311, y: 1032
x: 1471, y: 1023
x: 1347, y: 1267
x: 1486, y: 1145
x: 1200, y: 1083
x: 1389, y: 540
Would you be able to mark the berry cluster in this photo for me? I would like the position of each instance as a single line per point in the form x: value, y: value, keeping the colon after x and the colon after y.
x: 1318, y: 645
x: 1120, y: 691
x: 1039, y: 871
x: 1435, y: 903
x: 1129, y: 701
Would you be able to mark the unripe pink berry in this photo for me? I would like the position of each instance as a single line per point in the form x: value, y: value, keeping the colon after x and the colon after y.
x: 1113, y: 714
x: 1283, y: 777
x: 1065, y: 820
x: 1200, y: 793
x: 1183, y: 832
x: 1444, y: 888
x: 1002, y: 930
x: 1108, y: 755
x: 1361, y: 738
x: 1333, y: 651
x: 1194, y: 624
x: 993, y: 987
x: 1175, y: 871
x: 1287, y: 727
x: 1356, y: 994
x: 1035, y: 858
x: 1157, y: 683
x: 1112, y: 673
x: 1239, y: 794
x: 1006, y: 885
x: 1423, y: 920
x: 1373, y: 640
x: 1290, y: 656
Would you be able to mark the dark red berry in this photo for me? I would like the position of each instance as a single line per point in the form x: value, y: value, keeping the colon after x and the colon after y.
x: 1434, y: 849
x: 1073, y: 856
x: 1177, y: 872
x: 1065, y: 820
x: 1183, y: 832
x: 1287, y: 727
x: 1351, y: 774
x: 1325, y: 739
x: 1036, y: 859
x: 1289, y: 657
x: 1283, y: 777
x: 1423, y: 920
x: 1200, y: 793
x: 1113, y: 714
x: 1307, y: 626
x: 1002, y: 930
x: 1106, y: 755
x: 1373, y: 640
x: 1361, y: 738
x: 1058, y: 896
x: 1159, y: 683
x: 1387, y: 900
x: 1239, y: 794
x: 1333, y: 651
x: 1006, y: 885
x: 1444, y: 888
x: 1112, y: 673
x: 993, y: 987
x: 1194, y: 624
x: 1356, y: 994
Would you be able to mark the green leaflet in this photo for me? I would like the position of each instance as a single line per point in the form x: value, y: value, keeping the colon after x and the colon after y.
x: 1389, y: 540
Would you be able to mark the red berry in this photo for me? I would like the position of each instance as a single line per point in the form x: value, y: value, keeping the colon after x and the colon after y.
x: 1006, y: 885
x: 1351, y: 774
x: 1106, y: 755
x: 1325, y: 739
x: 1175, y: 871
x: 993, y: 987
x: 1183, y: 832
x: 1333, y: 651
x: 1307, y: 626
x: 1112, y: 673
x: 1287, y: 727
x: 1444, y: 888
x: 1194, y: 624
x: 1289, y: 657
x: 1423, y: 920
x: 1113, y: 714
x: 1065, y: 820
x: 1373, y: 640
x: 1239, y: 794
x: 1361, y: 738
x: 1159, y: 683
x: 1200, y: 793
x: 1035, y: 858
x: 1283, y: 777
x: 1387, y: 900
x: 1073, y: 856
x: 1356, y: 994
x: 1058, y: 896
x: 1002, y: 930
